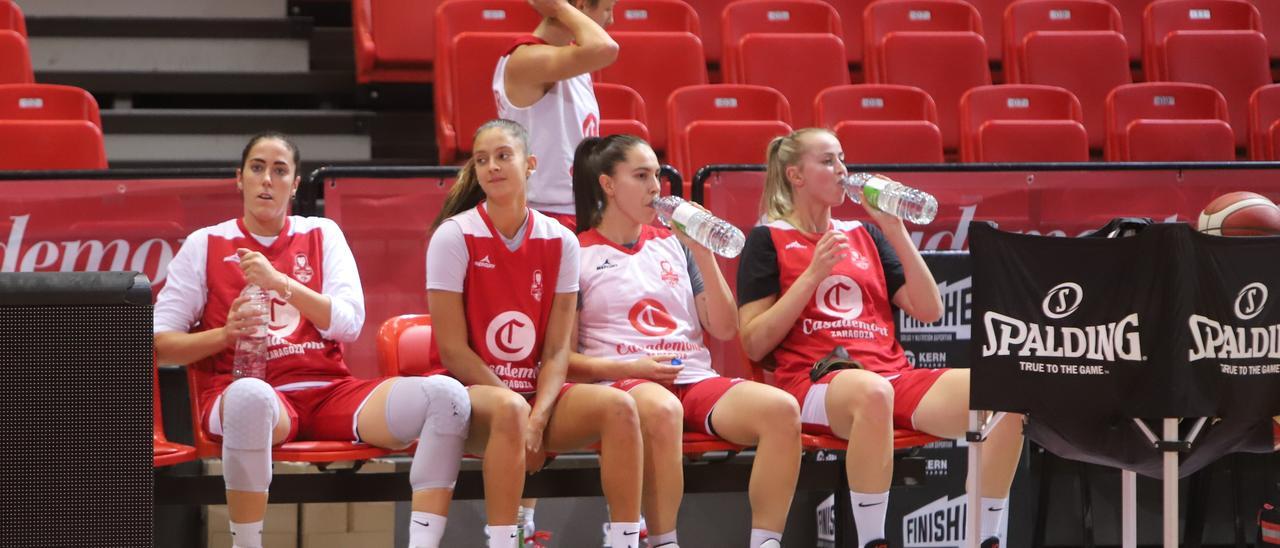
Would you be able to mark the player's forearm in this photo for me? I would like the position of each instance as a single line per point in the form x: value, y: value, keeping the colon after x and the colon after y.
x: 173, y: 347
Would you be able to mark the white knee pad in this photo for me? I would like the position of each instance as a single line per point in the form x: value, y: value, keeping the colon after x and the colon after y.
x: 436, y: 411
x: 250, y: 410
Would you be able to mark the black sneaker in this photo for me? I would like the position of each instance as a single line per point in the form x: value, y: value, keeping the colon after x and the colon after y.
x: 877, y: 543
x: 991, y: 542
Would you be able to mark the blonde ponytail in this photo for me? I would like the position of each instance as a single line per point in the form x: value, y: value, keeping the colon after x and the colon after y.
x: 778, y: 199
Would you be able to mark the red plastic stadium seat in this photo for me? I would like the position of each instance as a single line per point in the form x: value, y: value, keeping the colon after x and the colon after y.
x: 163, y: 451
x: 709, y: 12
x: 992, y: 14
x: 47, y: 102
x: 772, y: 16
x: 11, y: 18
x: 1021, y: 123
x: 1168, y: 121
x: 1131, y: 18
x: 1088, y: 63
x: 723, y: 102
x: 655, y: 16
x: 622, y: 111
x: 881, y: 18
x: 1264, y: 131
x: 851, y: 24
x: 1269, y: 11
x: 881, y: 123
x: 15, y: 59
x: 655, y: 64
x: 729, y: 142
x: 50, y: 144
x: 453, y: 18
x: 1052, y: 16
x: 1166, y: 16
x: 475, y: 55
x: 1233, y: 62
x: 814, y: 62
x: 393, y: 40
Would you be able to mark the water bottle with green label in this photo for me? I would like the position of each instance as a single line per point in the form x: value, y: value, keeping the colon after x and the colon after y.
x: 712, y: 232
x: 891, y: 197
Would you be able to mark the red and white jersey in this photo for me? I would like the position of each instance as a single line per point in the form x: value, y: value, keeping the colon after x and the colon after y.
x: 557, y: 122
x: 639, y: 301
x: 850, y: 308
x: 507, y: 293
x: 205, y: 277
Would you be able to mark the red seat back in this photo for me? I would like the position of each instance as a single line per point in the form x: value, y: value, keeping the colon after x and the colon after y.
x: 655, y: 64
x: 11, y: 18
x: 1233, y: 62
x: 814, y: 62
x: 992, y: 14
x: 730, y: 142
x: 402, y: 29
x: 50, y: 144
x: 1165, y: 16
x: 944, y: 64
x: 404, y: 345
x: 881, y: 18
x: 1131, y: 18
x: 1264, y: 111
x: 725, y: 102
x: 1087, y: 63
x: 1195, y: 104
x: 476, y: 55
x: 851, y: 24
x: 655, y: 16
x: 1179, y: 141
x: 1024, y: 18
x: 1048, y: 125
x: 455, y: 17
x: 622, y: 111
x: 1269, y: 14
x: 15, y: 59
x: 881, y: 123
x: 47, y: 102
x: 772, y: 16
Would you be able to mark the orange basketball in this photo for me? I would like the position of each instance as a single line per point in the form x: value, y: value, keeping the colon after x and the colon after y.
x: 1240, y: 214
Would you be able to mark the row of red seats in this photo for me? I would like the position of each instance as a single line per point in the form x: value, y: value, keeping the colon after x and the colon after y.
x: 42, y: 126
x: 390, y: 34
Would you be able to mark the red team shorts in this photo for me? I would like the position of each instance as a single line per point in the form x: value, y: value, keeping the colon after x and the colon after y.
x: 909, y: 387
x: 324, y: 413
x: 569, y: 220
x: 698, y: 399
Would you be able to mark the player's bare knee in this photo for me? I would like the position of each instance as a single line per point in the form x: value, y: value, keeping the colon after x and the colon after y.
x: 510, y: 412
x: 661, y: 414
x: 779, y: 413
x: 619, y: 411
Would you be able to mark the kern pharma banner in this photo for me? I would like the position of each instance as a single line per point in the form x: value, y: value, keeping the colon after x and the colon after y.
x: 1166, y: 323
x: 100, y: 225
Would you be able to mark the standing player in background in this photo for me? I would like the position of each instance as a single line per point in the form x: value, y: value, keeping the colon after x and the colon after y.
x: 544, y: 84
x: 502, y: 285
x: 809, y: 284
x: 643, y: 303
x: 309, y: 394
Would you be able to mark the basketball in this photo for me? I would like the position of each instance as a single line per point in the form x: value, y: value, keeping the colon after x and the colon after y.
x: 1240, y: 214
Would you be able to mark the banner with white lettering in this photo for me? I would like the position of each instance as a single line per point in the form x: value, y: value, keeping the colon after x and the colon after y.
x: 1230, y: 339
x: 1079, y: 326
x: 1166, y: 323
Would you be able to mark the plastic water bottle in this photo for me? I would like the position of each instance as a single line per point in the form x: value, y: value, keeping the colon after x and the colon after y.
x: 891, y: 197
x: 712, y: 232
x: 251, y: 347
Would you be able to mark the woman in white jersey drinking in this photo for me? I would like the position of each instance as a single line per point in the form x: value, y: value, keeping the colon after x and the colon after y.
x: 647, y: 295
x: 544, y: 84
x: 810, y: 286
x: 502, y: 283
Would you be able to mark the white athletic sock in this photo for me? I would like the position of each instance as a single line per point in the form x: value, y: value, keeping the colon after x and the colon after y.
x: 246, y: 535
x: 868, y: 514
x: 760, y: 536
x: 624, y: 534
x: 426, y: 529
x: 993, y: 511
x: 502, y: 536
x: 525, y: 519
x: 666, y: 538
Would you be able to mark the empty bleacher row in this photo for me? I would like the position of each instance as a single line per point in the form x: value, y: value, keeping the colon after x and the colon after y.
x: 809, y: 51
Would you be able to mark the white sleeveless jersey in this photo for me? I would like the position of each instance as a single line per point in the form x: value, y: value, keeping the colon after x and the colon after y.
x: 638, y: 302
x: 557, y: 122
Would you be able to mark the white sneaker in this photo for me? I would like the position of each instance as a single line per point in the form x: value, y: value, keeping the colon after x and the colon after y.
x: 771, y: 543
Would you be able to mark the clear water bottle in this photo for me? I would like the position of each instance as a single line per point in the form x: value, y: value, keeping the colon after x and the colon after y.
x: 714, y: 233
x: 251, y: 347
x: 891, y: 197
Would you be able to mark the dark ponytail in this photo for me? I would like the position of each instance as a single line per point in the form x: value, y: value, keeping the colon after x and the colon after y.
x: 594, y: 157
x: 466, y: 192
